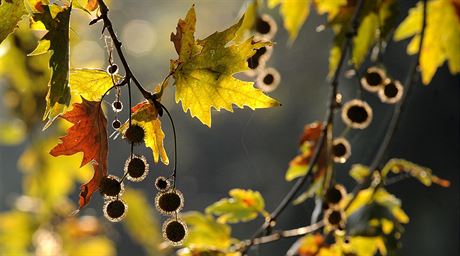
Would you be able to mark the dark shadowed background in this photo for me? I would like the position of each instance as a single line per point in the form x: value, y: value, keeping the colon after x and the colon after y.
x: 251, y: 150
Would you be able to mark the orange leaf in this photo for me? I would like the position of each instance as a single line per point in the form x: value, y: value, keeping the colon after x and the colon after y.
x: 92, y: 5
x: 87, y: 135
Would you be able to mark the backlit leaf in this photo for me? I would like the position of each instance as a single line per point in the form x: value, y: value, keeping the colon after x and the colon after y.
x: 205, y: 232
x: 87, y: 135
x: 423, y: 174
x: 146, y: 115
x: 58, y: 36
x: 359, y: 172
x: 294, y: 13
x: 91, y: 84
x: 365, y: 38
x: 249, y: 21
x: 204, y: 72
x: 244, y: 205
x: 439, y: 45
x: 11, y: 13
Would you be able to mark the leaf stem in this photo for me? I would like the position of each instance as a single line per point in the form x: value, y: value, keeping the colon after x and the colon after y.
x: 174, y: 172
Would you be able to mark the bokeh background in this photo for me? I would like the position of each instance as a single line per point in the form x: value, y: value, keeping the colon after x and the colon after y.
x: 251, y: 150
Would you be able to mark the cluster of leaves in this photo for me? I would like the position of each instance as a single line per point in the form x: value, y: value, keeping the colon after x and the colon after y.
x: 377, y: 28
x: 366, y: 223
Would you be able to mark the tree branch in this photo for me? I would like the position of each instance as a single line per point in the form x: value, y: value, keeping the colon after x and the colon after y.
x: 271, y: 221
x: 393, y: 125
x: 117, y: 44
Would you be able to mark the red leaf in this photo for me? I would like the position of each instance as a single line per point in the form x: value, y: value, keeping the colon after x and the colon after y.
x: 87, y: 135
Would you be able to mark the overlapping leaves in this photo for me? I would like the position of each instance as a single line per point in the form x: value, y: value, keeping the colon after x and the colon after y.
x: 204, y: 71
x: 442, y: 36
x: 11, y: 13
x: 56, y: 40
x: 87, y: 135
x: 146, y: 115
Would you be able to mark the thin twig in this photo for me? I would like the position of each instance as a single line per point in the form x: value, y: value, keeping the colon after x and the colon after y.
x: 117, y: 44
x: 277, y: 235
x: 392, y: 127
x: 271, y: 221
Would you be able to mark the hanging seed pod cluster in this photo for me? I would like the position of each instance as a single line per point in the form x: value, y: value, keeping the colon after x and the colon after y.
x: 169, y: 201
x: 375, y: 80
x: 267, y: 78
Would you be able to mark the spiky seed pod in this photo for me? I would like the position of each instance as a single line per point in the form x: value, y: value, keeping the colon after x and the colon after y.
x: 175, y: 231
x: 334, y: 217
x: 391, y: 92
x: 115, y: 210
x: 266, y: 26
x: 162, y: 184
x: 373, y: 79
x: 117, y: 106
x: 111, y: 187
x: 135, y: 134
x: 357, y: 114
x: 116, y: 124
x: 136, y: 168
x: 268, y: 80
x: 169, y: 202
x: 335, y: 194
x: 341, y: 149
x: 112, y: 69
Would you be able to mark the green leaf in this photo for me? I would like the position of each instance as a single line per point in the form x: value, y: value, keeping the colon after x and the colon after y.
x: 359, y: 172
x: 380, y: 196
x: 442, y: 37
x: 365, y: 38
x: 205, y: 232
x: 204, y: 72
x: 294, y: 13
x: 244, y: 205
x: 91, y: 84
x: 423, y: 174
x: 11, y: 12
x: 140, y: 222
x: 58, y: 36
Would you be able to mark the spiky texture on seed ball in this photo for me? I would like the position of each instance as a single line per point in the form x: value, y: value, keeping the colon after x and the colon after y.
x: 175, y: 231
x: 115, y: 210
x: 117, y: 106
x: 116, y: 124
x: 112, y: 69
x: 135, y: 134
x: 334, y: 194
x: 136, y: 168
x: 162, y: 184
x: 169, y: 202
x: 111, y: 186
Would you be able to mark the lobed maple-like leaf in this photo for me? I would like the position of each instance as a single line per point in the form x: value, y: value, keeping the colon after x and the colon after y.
x: 56, y: 20
x: 204, y: 71
x: 88, y: 135
x: 146, y: 115
x: 11, y: 12
x: 442, y: 36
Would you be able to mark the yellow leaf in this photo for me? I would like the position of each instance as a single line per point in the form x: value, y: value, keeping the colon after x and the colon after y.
x: 145, y: 115
x: 11, y: 13
x: 91, y: 84
x: 365, y: 38
x: 331, y: 7
x: 442, y: 37
x: 294, y: 12
x: 206, y: 233
x: 204, y: 72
